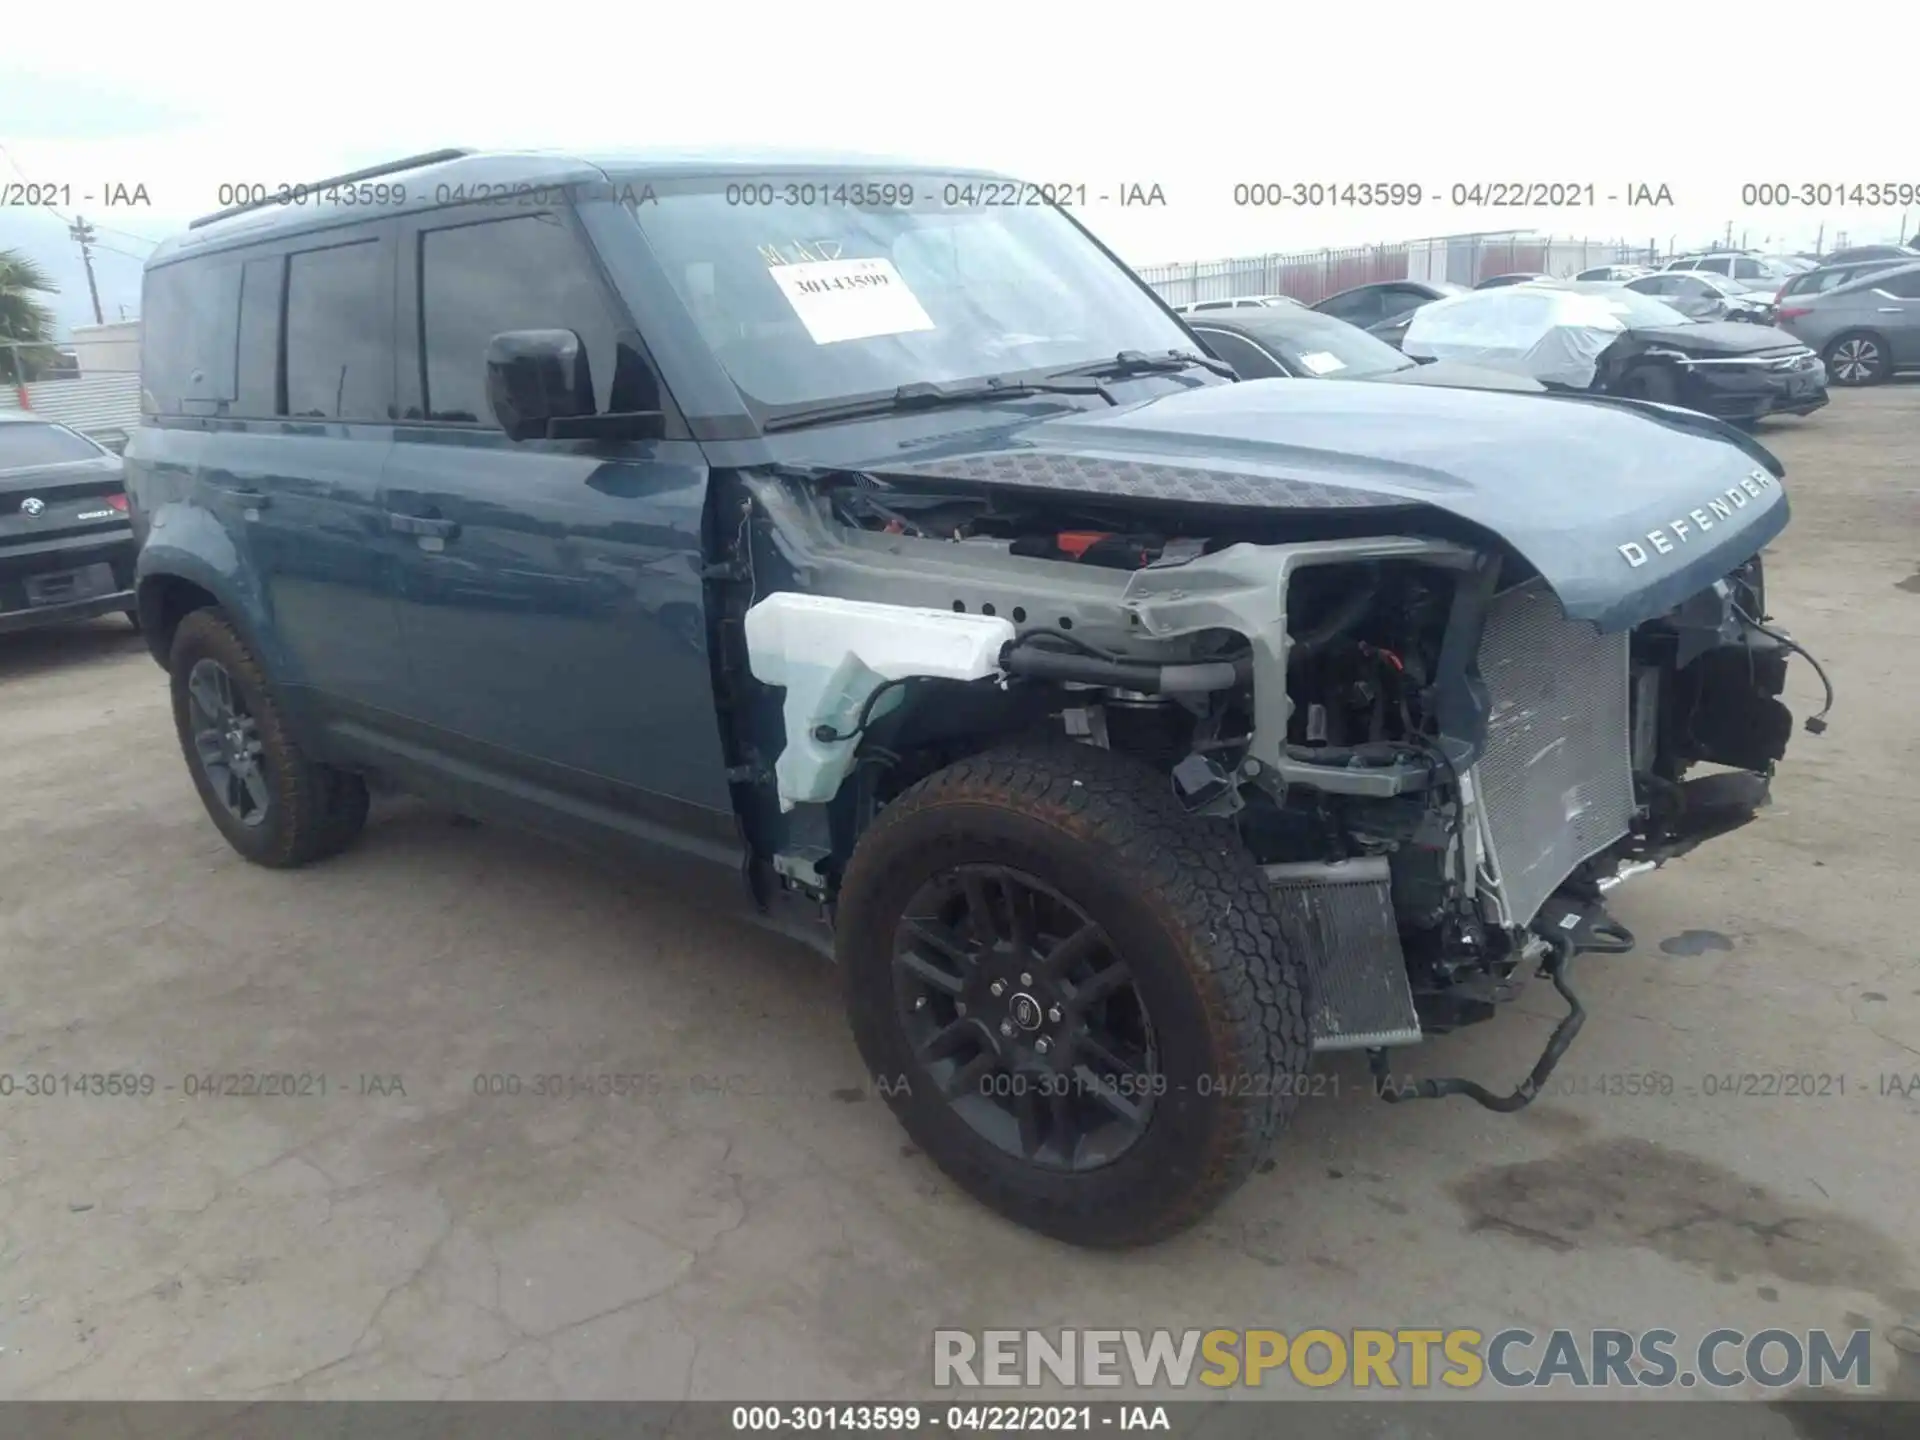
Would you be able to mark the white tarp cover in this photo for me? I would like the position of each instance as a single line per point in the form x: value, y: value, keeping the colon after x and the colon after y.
x: 1551, y: 335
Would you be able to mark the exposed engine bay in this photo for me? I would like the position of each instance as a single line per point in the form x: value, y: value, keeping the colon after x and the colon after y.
x: 1439, y: 772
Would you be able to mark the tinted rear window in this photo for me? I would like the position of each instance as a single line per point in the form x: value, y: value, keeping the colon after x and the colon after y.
x: 27, y: 442
x: 189, y: 316
x: 337, y: 333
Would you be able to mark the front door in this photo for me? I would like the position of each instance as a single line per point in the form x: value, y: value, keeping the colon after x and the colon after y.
x: 551, y: 597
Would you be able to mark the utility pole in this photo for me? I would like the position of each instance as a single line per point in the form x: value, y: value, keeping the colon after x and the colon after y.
x: 82, y: 232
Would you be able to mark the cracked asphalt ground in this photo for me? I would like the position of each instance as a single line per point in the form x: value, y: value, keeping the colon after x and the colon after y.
x: 753, y: 1223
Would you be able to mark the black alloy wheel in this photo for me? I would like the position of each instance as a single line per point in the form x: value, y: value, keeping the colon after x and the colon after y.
x: 226, y: 743
x: 1025, y: 1017
x: 273, y: 803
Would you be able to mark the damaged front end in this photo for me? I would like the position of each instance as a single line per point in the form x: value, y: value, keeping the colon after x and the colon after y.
x: 1440, y: 771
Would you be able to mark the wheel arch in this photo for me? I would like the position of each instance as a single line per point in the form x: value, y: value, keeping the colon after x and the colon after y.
x: 170, y: 583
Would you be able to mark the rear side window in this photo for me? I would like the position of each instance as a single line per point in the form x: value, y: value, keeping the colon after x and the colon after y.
x: 336, y: 312
x: 29, y: 442
x: 262, y: 291
x: 190, y: 314
x: 524, y: 272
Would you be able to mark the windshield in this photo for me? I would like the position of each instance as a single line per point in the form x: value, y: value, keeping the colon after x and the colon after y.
x: 30, y: 442
x: 1316, y: 344
x: 815, y: 288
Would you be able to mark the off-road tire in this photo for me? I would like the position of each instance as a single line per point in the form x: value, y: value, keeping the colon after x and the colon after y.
x: 315, y: 810
x: 1204, y: 943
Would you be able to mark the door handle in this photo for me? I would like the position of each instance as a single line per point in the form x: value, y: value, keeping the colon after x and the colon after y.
x: 253, y: 500
x: 425, y: 528
x: 1891, y: 309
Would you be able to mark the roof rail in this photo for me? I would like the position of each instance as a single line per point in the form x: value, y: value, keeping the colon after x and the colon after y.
x: 352, y: 177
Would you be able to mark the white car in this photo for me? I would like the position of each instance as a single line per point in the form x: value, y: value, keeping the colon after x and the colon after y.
x: 1238, y: 303
x: 1615, y: 272
x: 1754, y: 272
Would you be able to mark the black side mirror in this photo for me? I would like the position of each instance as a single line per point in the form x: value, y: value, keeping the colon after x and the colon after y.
x: 537, y: 376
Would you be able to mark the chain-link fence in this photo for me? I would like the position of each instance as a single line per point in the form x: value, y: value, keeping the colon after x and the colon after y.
x: 91, y: 383
x: 1315, y: 274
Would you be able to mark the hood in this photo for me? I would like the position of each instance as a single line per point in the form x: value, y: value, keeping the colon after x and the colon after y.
x: 1462, y: 376
x: 1718, y: 337
x: 1625, y: 510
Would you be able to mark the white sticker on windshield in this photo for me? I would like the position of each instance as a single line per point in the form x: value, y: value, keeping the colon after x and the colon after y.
x: 850, y: 299
x: 1321, y: 362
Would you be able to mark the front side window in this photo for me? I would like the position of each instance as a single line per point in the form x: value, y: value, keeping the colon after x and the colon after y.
x: 522, y: 272
x: 337, y: 347
x: 861, y: 293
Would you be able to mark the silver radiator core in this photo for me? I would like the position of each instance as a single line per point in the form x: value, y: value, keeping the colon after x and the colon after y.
x: 1555, y: 782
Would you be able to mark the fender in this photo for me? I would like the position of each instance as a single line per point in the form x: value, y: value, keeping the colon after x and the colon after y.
x: 188, y: 542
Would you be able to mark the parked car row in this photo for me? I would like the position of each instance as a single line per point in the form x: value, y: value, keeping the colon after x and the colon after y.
x: 1693, y: 333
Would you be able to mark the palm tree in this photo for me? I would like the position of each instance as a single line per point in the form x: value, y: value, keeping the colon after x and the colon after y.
x: 23, y: 317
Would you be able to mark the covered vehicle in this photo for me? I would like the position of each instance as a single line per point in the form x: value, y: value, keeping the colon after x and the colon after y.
x: 1128, y: 732
x: 1306, y: 345
x: 1608, y: 339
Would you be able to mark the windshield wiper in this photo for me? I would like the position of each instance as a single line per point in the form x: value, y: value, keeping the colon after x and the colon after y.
x: 925, y: 395
x: 1139, y: 362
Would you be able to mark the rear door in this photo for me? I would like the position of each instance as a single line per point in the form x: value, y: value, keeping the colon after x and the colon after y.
x: 300, y: 461
x: 552, y: 597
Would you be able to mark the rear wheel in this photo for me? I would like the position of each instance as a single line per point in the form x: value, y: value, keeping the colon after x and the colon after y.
x: 1075, y: 995
x: 274, y: 805
x: 1856, y: 358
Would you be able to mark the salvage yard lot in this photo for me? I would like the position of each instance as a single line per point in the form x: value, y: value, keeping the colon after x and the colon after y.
x: 745, y: 1219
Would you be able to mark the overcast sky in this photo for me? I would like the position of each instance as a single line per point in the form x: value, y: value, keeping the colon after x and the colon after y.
x: 1194, y: 98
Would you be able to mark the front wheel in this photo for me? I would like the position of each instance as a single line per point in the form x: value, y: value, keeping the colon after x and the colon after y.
x: 1650, y: 382
x: 1076, y: 996
x: 274, y: 805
